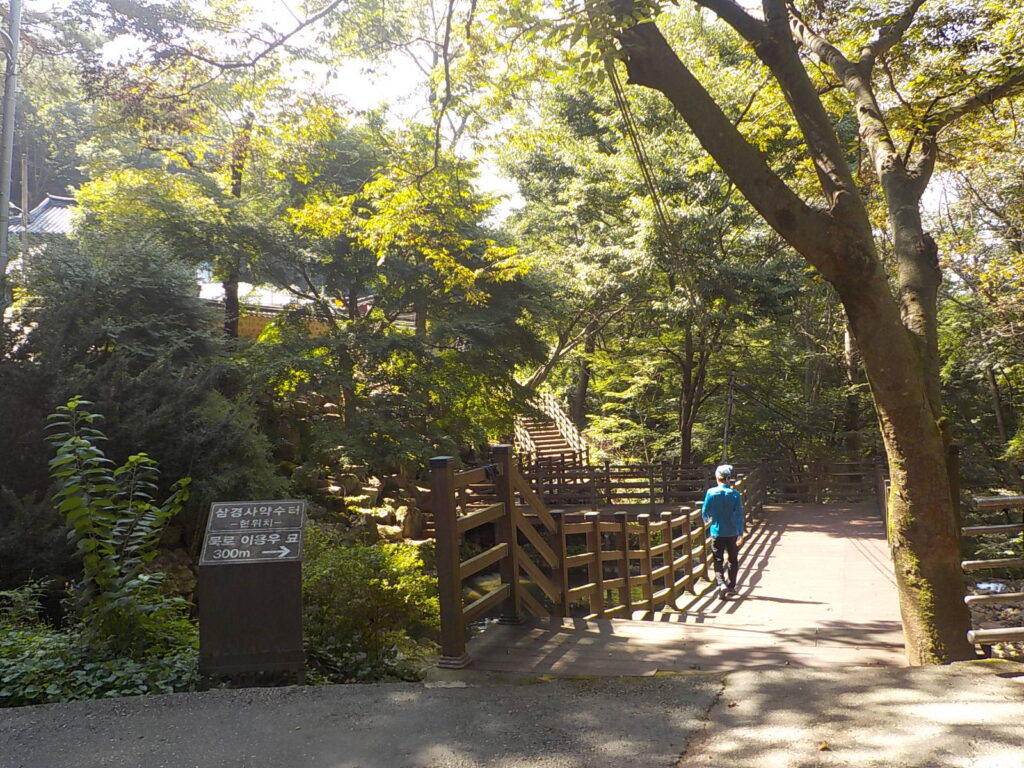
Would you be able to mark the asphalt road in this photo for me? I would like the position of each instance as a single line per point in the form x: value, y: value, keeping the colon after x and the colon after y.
x: 962, y: 716
x: 555, y: 724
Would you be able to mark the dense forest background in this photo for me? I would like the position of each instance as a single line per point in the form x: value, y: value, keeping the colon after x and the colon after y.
x: 235, y: 145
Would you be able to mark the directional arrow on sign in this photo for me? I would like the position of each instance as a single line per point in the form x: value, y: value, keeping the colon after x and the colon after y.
x: 282, y: 552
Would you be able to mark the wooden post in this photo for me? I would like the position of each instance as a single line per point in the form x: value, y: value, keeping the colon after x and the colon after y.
x: 449, y: 584
x: 650, y: 481
x: 646, y: 569
x: 670, y: 559
x: 690, y: 579
x: 883, y: 490
x: 561, y: 571
x: 820, y: 474
x: 511, y: 609
x: 596, y: 568
x: 626, y: 596
x: 608, y: 482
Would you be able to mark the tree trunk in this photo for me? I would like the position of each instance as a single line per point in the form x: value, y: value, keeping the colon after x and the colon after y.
x: 997, y: 406
x: 922, y: 521
x: 851, y: 407
x: 231, y: 267
x: 579, y: 397
x: 896, y: 339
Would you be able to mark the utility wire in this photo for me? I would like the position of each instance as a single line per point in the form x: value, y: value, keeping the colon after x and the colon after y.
x: 642, y: 158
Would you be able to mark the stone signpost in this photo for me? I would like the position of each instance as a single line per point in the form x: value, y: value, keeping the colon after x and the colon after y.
x: 250, y: 588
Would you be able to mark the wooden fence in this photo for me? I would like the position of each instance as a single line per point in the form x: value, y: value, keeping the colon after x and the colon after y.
x: 560, y: 480
x: 1005, y: 507
x: 818, y: 482
x: 557, y: 563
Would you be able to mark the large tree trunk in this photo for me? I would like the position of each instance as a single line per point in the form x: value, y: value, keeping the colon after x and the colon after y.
x: 922, y: 521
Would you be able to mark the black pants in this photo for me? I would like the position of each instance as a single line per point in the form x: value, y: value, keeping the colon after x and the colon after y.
x: 720, y: 545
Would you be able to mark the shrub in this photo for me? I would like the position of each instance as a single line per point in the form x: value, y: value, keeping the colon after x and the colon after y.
x: 42, y: 665
x: 31, y: 541
x: 370, y: 611
x: 114, y: 525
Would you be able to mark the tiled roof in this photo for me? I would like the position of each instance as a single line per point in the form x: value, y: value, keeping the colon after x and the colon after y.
x: 50, y: 217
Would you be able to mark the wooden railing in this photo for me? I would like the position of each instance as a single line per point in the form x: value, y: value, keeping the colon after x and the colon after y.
x: 524, y: 440
x: 1008, y: 506
x: 550, y: 407
x: 560, y: 481
x: 557, y: 563
x: 818, y: 481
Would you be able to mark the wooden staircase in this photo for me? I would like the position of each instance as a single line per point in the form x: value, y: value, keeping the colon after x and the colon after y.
x: 551, y: 435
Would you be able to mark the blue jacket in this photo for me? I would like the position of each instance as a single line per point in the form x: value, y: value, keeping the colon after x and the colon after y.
x: 724, y: 508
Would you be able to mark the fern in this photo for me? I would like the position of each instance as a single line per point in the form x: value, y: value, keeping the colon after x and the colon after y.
x: 114, y: 525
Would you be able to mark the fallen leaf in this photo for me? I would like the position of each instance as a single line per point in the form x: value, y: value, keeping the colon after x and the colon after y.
x: 733, y: 703
x: 824, y: 747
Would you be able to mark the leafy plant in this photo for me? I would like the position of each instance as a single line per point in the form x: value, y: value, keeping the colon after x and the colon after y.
x: 43, y: 665
x: 370, y: 611
x: 114, y: 525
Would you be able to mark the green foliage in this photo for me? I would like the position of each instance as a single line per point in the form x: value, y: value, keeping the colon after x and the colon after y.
x: 114, y: 525
x: 31, y: 540
x: 416, y: 310
x: 42, y: 665
x: 370, y: 611
x: 121, y: 325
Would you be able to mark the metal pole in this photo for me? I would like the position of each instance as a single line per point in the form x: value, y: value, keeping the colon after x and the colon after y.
x: 25, y: 218
x: 7, y: 145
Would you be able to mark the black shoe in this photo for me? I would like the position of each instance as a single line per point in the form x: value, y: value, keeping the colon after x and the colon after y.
x: 722, y: 593
x: 731, y: 589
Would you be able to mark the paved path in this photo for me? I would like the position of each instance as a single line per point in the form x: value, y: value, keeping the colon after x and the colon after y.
x: 816, y: 589
x: 965, y: 716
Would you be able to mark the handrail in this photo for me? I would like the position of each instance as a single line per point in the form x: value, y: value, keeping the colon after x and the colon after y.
x: 988, y: 637
x: 548, y: 405
x: 562, y: 483
x: 523, y: 439
x: 452, y: 569
x: 620, y: 562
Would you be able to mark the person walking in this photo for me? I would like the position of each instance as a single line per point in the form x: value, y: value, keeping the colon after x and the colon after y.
x: 723, y: 507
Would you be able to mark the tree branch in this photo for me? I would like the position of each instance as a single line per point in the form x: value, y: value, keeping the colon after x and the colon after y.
x: 1011, y: 86
x: 888, y: 36
x: 750, y: 29
x: 651, y: 62
x: 270, y: 47
x: 873, y: 129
